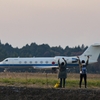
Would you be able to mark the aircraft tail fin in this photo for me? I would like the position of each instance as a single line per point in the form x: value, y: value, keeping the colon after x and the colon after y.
x: 93, y: 52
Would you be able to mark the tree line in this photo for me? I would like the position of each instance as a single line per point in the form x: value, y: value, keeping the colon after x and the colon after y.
x: 34, y: 50
x: 44, y: 50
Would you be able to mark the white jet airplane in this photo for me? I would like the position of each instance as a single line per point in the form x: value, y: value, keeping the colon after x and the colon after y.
x: 51, y: 62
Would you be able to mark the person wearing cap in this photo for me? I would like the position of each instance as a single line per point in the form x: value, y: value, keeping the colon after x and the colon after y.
x: 83, y: 71
x: 62, y: 75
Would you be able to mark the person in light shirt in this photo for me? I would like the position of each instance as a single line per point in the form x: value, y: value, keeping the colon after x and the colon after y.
x: 83, y: 71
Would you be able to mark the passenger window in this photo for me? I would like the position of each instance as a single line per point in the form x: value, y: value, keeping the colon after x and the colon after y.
x: 25, y: 62
x: 20, y: 62
x: 46, y: 62
x: 30, y: 62
x: 36, y: 62
x: 41, y: 62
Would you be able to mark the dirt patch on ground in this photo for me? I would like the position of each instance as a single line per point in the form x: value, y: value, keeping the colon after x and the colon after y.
x: 31, y: 93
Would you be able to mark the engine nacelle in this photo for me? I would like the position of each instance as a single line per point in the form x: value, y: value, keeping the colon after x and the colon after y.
x: 72, y: 60
x: 68, y: 59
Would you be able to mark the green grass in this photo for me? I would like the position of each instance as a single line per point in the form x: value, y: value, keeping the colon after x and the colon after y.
x: 44, y: 80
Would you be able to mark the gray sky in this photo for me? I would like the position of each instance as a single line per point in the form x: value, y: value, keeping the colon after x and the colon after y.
x: 52, y: 22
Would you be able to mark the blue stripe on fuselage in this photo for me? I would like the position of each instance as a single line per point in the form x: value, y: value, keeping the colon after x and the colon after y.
x: 34, y: 65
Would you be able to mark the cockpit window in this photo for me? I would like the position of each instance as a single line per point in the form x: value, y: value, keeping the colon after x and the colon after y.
x: 6, y: 60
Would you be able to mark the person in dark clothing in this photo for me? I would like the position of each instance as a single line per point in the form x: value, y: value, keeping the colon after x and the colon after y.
x: 83, y: 71
x: 62, y: 72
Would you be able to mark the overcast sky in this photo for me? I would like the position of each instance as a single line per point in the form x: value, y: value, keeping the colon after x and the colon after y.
x: 52, y: 22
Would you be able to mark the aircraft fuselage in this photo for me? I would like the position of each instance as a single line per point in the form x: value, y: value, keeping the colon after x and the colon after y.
x: 36, y: 62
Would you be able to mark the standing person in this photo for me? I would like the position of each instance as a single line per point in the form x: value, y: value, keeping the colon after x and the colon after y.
x: 62, y: 72
x: 83, y: 71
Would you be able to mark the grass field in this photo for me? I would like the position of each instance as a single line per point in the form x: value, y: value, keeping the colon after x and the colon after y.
x: 46, y: 80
